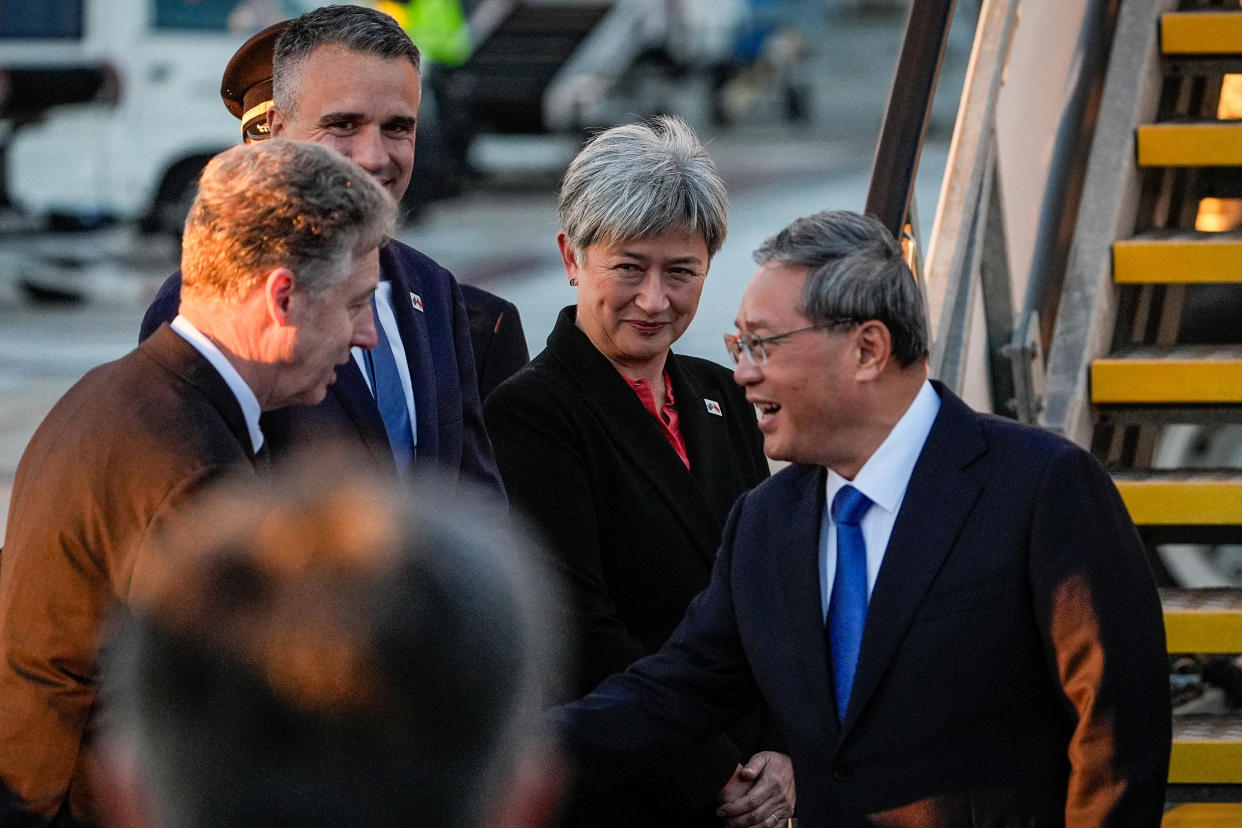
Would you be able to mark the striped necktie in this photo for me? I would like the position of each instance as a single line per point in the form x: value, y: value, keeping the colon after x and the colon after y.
x: 390, y: 396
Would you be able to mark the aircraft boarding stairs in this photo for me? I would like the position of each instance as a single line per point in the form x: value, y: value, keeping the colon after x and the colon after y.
x: 1139, y: 348
x: 523, y: 51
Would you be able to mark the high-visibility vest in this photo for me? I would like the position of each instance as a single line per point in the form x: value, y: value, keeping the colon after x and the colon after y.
x: 438, y: 27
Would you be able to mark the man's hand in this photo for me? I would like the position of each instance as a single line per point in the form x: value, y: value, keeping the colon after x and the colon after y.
x: 759, y: 794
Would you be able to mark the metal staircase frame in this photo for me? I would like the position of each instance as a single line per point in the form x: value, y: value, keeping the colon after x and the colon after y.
x: 1087, y: 314
x: 967, y: 248
x: 985, y: 319
x: 967, y: 261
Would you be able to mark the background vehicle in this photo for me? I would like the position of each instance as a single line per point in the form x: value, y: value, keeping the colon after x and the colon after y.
x: 139, y: 156
x: 122, y: 107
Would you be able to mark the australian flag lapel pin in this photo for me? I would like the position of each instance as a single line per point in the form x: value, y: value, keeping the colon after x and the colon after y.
x: 416, y: 301
x: 713, y: 407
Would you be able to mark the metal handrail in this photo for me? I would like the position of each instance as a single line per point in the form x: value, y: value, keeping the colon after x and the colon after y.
x: 908, y: 111
x: 954, y: 253
x: 1086, y: 315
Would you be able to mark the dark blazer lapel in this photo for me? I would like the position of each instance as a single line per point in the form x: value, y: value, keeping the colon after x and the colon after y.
x: 417, y: 343
x: 794, y: 527
x: 713, y: 468
x: 357, y: 401
x: 938, y: 500
x: 167, y: 348
x: 633, y: 429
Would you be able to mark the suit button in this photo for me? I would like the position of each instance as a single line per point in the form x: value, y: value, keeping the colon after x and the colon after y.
x: 842, y: 770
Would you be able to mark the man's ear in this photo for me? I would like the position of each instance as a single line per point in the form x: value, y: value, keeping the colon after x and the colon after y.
x: 276, y: 123
x: 278, y: 296
x: 874, y: 346
x: 569, y: 256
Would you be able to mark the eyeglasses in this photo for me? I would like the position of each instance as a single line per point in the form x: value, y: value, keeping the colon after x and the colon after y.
x: 756, y: 347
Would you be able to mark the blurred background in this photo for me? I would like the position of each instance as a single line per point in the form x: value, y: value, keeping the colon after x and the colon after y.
x: 1097, y: 161
x: 109, y: 108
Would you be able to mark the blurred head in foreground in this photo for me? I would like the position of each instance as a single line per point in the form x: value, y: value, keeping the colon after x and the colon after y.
x: 333, y: 655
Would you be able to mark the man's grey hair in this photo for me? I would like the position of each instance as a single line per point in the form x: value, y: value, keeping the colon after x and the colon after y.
x: 333, y: 652
x: 280, y: 203
x: 641, y: 180
x: 857, y: 273
x: 358, y: 29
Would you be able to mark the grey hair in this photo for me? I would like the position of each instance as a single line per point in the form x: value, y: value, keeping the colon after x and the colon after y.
x: 277, y: 204
x: 641, y: 180
x: 362, y: 30
x: 857, y: 274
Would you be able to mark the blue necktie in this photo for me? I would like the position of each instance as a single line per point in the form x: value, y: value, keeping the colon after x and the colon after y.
x: 390, y: 396
x: 847, y: 607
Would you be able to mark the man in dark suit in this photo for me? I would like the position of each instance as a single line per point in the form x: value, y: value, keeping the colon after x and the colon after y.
x: 280, y: 261
x: 348, y: 77
x: 950, y: 615
x: 496, y: 336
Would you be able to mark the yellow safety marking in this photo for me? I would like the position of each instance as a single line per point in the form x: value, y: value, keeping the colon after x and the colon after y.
x: 1203, y: 632
x: 1204, y: 621
x: 1146, y: 261
x: 1201, y: 33
x: 1190, y: 145
x: 1204, y: 815
x: 1156, y: 380
x: 1183, y: 502
x: 1205, y: 762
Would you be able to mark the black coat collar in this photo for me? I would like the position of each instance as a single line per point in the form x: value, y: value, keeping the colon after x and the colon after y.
x: 700, y: 496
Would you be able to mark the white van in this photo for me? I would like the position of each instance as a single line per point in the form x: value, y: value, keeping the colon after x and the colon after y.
x: 140, y: 157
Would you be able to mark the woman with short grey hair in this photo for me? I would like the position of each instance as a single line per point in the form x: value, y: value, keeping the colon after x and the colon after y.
x: 627, y: 456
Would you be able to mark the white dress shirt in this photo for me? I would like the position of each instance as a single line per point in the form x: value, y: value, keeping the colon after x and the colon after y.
x: 883, y: 479
x: 388, y: 319
x: 241, y: 391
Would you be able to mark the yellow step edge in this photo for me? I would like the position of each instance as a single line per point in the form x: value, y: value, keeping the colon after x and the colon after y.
x: 1205, y: 763
x: 1183, y: 502
x: 1200, y: 376
x: 1194, y: 260
x: 1203, y: 620
x: 1203, y: 632
x: 1190, y: 145
x: 1204, y: 815
x: 1207, y: 750
x: 1201, y: 33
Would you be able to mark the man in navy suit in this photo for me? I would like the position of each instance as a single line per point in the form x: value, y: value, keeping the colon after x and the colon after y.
x: 950, y: 615
x: 348, y: 77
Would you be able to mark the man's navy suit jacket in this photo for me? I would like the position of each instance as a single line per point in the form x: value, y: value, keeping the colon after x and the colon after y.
x: 496, y: 337
x: 1013, y: 665
x: 436, y: 337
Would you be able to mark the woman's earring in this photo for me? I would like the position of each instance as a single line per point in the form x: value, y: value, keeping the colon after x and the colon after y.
x: 573, y: 282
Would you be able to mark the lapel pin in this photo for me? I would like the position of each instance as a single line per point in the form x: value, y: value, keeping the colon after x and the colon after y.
x: 417, y: 302
x: 713, y: 407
